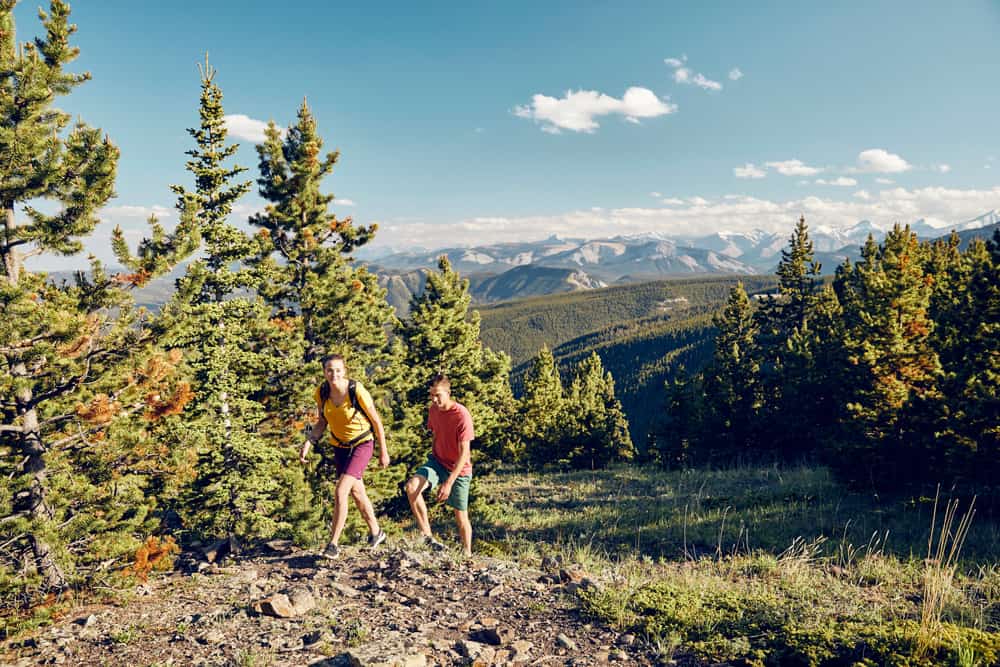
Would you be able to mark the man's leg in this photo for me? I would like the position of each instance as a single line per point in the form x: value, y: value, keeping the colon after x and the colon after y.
x: 414, y: 493
x: 360, y: 495
x: 464, y: 530
x: 344, y: 485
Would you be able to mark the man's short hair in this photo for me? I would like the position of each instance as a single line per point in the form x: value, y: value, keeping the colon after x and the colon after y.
x: 440, y: 380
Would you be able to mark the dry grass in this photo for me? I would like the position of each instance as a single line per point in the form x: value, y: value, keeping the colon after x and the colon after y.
x: 738, y: 565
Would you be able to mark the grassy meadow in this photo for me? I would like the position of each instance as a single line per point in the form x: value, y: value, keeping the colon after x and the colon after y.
x: 761, y: 566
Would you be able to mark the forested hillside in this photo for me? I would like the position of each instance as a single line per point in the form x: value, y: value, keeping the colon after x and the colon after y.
x: 522, y: 327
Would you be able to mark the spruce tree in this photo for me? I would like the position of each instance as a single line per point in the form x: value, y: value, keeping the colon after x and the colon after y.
x: 542, y: 416
x: 980, y: 387
x: 888, y: 339
x: 732, y: 380
x: 442, y: 336
x: 78, y: 364
x: 316, y: 292
x: 783, y: 347
x: 241, y: 488
x: 677, y: 439
x: 596, y: 431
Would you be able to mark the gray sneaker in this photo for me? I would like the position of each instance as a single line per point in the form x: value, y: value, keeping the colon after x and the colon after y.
x: 433, y: 543
x: 375, y: 540
x: 332, y: 552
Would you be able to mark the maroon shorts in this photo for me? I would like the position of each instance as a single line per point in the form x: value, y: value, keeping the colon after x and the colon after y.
x: 353, y: 460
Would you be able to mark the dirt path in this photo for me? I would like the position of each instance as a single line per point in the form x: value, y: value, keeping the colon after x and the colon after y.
x: 401, y: 605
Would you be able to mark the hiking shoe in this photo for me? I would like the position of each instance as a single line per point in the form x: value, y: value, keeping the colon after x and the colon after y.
x: 434, y: 543
x: 332, y: 552
x: 375, y: 540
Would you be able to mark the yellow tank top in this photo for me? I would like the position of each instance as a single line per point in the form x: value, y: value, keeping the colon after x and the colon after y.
x: 344, y: 421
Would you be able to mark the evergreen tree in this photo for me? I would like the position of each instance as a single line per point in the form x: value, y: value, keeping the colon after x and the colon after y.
x: 678, y: 437
x: 888, y: 339
x: 542, y: 415
x: 980, y: 385
x: 316, y: 292
x: 77, y: 361
x: 953, y: 310
x: 732, y: 380
x: 241, y: 488
x: 596, y: 431
x: 783, y: 347
x: 442, y: 336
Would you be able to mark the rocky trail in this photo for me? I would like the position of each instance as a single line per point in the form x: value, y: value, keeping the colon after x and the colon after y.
x: 401, y: 605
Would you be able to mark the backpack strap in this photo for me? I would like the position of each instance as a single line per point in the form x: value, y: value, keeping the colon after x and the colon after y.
x: 352, y: 392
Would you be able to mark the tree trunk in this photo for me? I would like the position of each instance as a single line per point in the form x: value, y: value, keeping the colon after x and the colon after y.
x: 38, y: 507
x: 11, y: 260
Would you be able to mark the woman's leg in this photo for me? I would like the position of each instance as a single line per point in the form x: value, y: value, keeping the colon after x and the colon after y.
x: 345, y: 483
x: 360, y: 495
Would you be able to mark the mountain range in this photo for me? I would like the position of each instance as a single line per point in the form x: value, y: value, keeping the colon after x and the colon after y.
x: 504, y: 271
x: 509, y: 270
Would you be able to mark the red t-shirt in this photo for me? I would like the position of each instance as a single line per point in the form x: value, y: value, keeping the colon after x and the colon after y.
x: 450, y: 428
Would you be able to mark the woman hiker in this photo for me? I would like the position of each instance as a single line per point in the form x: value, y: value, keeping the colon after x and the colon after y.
x: 346, y: 407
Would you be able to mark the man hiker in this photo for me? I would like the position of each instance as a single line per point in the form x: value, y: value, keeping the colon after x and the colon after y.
x: 449, y: 467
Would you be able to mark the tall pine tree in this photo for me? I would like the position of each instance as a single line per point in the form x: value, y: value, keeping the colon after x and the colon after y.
x: 732, y: 380
x: 442, y: 336
x: 241, y: 488
x: 542, y: 417
x: 784, y: 348
x: 77, y: 361
x: 888, y: 339
x: 316, y: 292
x: 596, y: 431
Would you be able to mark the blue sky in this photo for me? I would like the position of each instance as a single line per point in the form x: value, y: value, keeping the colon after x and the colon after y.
x: 460, y: 123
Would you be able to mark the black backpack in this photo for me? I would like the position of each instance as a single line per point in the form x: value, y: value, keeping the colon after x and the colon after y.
x: 352, y: 394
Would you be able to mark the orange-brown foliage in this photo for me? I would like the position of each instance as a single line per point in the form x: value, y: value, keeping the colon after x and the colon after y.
x: 154, y: 554
x: 75, y: 348
x: 286, y: 324
x: 137, y: 279
x: 101, y: 409
x: 158, y: 408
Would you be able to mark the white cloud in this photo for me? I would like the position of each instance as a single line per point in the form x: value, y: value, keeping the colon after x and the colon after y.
x: 841, y: 181
x: 578, y: 109
x: 884, y: 181
x: 793, y: 168
x: 339, y: 201
x: 245, y: 210
x: 685, y: 75
x: 749, y: 170
x: 128, y: 211
x: 940, y: 207
x: 881, y: 161
x: 942, y: 168
x: 706, y: 84
x: 672, y: 201
x: 655, y: 195
x: 863, y: 194
x: 244, y: 127
x: 735, y: 74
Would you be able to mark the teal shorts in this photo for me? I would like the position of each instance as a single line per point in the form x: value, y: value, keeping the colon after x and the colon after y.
x: 435, y: 473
